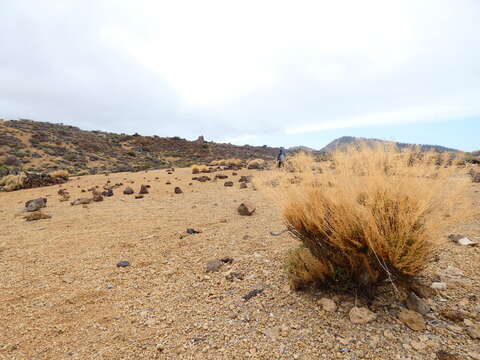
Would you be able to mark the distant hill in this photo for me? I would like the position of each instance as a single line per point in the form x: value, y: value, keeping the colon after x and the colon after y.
x: 345, y: 141
x: 41, y: 146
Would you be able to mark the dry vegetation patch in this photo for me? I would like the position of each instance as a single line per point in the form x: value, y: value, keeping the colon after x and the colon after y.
x: 12, y: 182
x: 372, y: 214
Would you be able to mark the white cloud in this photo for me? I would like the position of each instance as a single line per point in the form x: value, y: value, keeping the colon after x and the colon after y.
x: 240, y: 140
x: 407, y: 116
x: 233, y: 70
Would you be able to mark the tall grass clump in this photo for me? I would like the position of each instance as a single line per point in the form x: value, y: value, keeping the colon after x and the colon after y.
x: 233, y: 162
x: 256, y: 164
x: 196, y: 169
x: 12, y: 182
x: 63, y: 174
x: 372, y: 214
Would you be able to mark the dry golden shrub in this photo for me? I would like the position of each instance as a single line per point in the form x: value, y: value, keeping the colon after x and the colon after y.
x: 300, y: 163
x: 60, y: 174
x: 370, y: 215
x: 12, y: 182
x: 227, y: 162
x: 233, y: 162
x: 196, y: 169
x: 221, y: 162
x: 256, y: 164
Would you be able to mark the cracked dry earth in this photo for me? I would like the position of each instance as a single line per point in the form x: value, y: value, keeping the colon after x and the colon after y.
x: 63, y: 297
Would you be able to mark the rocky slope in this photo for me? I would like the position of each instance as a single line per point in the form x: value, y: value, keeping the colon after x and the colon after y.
x: 40, y: 146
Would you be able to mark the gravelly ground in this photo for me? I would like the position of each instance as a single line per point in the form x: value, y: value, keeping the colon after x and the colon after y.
x: 62, y: 296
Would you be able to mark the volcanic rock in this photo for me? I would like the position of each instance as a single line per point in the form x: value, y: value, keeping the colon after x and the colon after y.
x: 246, y: 209
x: 35, y: 204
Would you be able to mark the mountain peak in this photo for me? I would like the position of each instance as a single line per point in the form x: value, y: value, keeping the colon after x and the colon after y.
x: 345, y: 141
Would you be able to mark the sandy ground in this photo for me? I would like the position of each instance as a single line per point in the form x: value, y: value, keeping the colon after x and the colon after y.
x: 63, y: 297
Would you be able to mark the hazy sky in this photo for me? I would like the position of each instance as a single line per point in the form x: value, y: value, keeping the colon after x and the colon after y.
x: 258, y: 72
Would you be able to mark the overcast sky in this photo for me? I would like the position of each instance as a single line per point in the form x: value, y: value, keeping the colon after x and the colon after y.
x: 259, y: 72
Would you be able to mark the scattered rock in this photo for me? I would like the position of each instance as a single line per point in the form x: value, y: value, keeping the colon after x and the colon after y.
x: 451, y: 271
x: 82, y: 201
x: 123, y: 263
x: 226, y: 260
x: 231, y: 276
x: 65, y: 197
x: 423, y: 291
x: 214, y: 265
x: 439, y: 286
x: 168, y: 183
x: 97, y: 197
x: 418, y: 345
x: 412, y: 319
x: 228, y: 183
x: 361, y: 315
x: 243, y: 185
x: 466, y: 242
x: 328, y: 304
x: 128, y: 191
x: 454, y: 315
x: 178, y: 190
x: 452, y: 277
x: 143, y: 190
x: 138, y: 196
x: 193, y: 231
x: 443, y: 355
x: 107, y: 193
x: 461, y: 240
x: 455, y: 237
x: 473, y: 330
x: 244, y: 178
x: 35, y: 204
x: 246, y: 209
x: 252, y: 294
x: 221, y: 176
x: 37, y: 215
x: 414, y: 303
x: 474, y: 355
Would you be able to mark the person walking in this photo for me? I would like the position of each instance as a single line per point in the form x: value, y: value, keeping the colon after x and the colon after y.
x: 281, y: 158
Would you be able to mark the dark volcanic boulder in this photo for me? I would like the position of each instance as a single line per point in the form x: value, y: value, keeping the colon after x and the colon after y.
x: 245, y: 179
x: 246, y: 209
x: 128, y: 191
x: 37, y: 180
x: 107, y: 193
x: 36, y: 204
